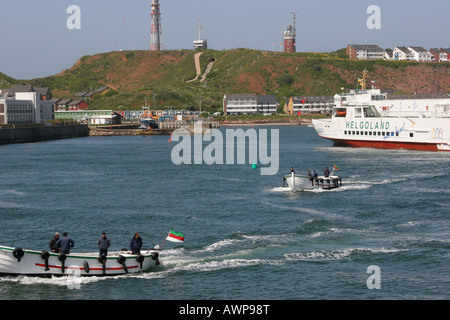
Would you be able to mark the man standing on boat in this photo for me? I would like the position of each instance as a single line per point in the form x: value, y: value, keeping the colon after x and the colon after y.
x: 326, y: 173
x: 65, y: 244
x: 52, y: 245
x: 310, y: 177
x: 136, y: 244
x: 103, y: 245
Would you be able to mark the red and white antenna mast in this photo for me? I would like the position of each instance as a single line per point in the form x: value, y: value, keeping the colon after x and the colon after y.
x: 156, y: 43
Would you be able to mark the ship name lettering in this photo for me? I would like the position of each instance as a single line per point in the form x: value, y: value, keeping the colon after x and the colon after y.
x: 383, y: 125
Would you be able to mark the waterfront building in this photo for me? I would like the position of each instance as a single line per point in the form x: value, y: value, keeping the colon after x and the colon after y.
x: 25, y: 108
x: 14, y: 111
x: 249, y: 104
x: 309, y: 105
x: 90, y: 116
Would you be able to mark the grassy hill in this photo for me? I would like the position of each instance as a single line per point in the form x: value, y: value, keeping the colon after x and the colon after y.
x: 6, y: 82
x: 161, y: 76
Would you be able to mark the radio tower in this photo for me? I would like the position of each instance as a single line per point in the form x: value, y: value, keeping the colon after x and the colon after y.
x: 156, y: 43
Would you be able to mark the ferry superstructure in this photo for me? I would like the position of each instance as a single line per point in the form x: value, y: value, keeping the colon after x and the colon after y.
x: 366, y: 118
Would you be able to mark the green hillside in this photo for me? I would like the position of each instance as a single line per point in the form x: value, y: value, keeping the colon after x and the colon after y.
x: 6, y: 82
x: 162, y: 77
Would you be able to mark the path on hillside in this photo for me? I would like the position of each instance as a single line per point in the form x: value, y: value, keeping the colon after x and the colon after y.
x: 197, y: 66
x: 208, y: 70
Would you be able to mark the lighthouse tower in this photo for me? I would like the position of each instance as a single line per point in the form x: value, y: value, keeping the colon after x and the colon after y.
x: 156, y: 32
x: 289, y: 37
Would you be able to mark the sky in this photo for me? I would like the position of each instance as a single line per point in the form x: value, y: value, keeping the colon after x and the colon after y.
x: 36, y: 41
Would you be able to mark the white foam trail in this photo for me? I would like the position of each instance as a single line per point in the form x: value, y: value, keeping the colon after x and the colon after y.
x: 280, y: 189
x: 15, y: 192
x: 336, y: 254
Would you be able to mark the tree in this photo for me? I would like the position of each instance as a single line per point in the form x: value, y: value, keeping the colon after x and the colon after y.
x: 285, y: 80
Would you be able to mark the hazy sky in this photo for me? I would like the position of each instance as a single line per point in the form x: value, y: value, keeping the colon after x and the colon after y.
x: 37, y: 43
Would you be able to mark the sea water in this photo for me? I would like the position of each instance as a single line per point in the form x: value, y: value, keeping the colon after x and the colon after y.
x: 246, y: 237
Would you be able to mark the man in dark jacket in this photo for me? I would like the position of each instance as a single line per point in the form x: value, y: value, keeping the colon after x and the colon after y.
x: 65, y: 244
x: 136, y: 244
x: 52, y: 245
x: 103, y: 245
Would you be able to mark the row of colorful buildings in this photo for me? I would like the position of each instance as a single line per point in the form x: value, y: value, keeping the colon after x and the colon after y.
x: 252, y: 104
x: 411, y: 53
x: 25, y: 104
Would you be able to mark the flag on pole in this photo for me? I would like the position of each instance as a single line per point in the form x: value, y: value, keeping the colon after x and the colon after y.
x: 175, y: 236
x: 335, y: 167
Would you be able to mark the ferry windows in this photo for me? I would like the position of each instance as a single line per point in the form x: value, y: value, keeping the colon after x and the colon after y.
x: 411, y: 135
x: 358, y: 112
x: 377, y: 97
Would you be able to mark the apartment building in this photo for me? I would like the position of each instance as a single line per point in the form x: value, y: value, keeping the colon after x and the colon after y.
x: 249, y: 104
x: 365, y: 52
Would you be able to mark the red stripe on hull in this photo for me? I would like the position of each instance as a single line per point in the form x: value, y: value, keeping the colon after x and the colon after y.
x: 60, y: 267
x: 387, y: 145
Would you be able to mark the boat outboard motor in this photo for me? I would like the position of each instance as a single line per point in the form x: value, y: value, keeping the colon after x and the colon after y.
x: 18, y: 253
x: 102, y: 259
x: 44, y: 256
x: 140, y: 258
x: 121, y: 260
x: 62, y: 257
x: 86, y: 267
x: 155, y: 256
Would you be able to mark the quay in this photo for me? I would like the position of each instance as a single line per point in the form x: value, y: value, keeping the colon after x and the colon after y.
x: 41, y: 133
x: 164, y: 128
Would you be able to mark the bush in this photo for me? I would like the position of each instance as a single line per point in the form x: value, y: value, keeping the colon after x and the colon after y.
x: 285, y: 80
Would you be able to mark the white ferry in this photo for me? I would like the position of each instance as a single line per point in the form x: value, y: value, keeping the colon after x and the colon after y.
x: 366, y: 118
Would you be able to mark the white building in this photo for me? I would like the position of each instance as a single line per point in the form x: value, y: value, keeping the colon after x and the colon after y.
x: 25, y: 108
x: 250, y: 104
x: 438, y: 55
x: 14, y: 111
x: 420, y: 54
x: 310, y: 104
x: 365, y: 52
x: 402, y: 53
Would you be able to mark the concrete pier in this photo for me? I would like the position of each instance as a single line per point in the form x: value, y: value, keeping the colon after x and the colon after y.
x: 42, y: 133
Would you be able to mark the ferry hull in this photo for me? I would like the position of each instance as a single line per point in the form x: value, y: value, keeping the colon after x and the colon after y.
x: 390, y: 145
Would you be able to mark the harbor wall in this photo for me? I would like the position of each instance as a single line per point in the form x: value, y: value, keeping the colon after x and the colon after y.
x: 36, y: 134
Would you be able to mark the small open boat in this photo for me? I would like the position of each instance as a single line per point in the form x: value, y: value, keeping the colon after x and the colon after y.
x: 17, y: 261
x: 298, y: 182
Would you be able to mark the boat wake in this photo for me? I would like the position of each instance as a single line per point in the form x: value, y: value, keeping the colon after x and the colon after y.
x: 238, y: 251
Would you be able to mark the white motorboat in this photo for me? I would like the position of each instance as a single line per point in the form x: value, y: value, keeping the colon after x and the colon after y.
x: 17, y: 261
x: 298, y: 182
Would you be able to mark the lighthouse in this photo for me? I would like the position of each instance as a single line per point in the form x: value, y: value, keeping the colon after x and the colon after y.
x: 289, y: 37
